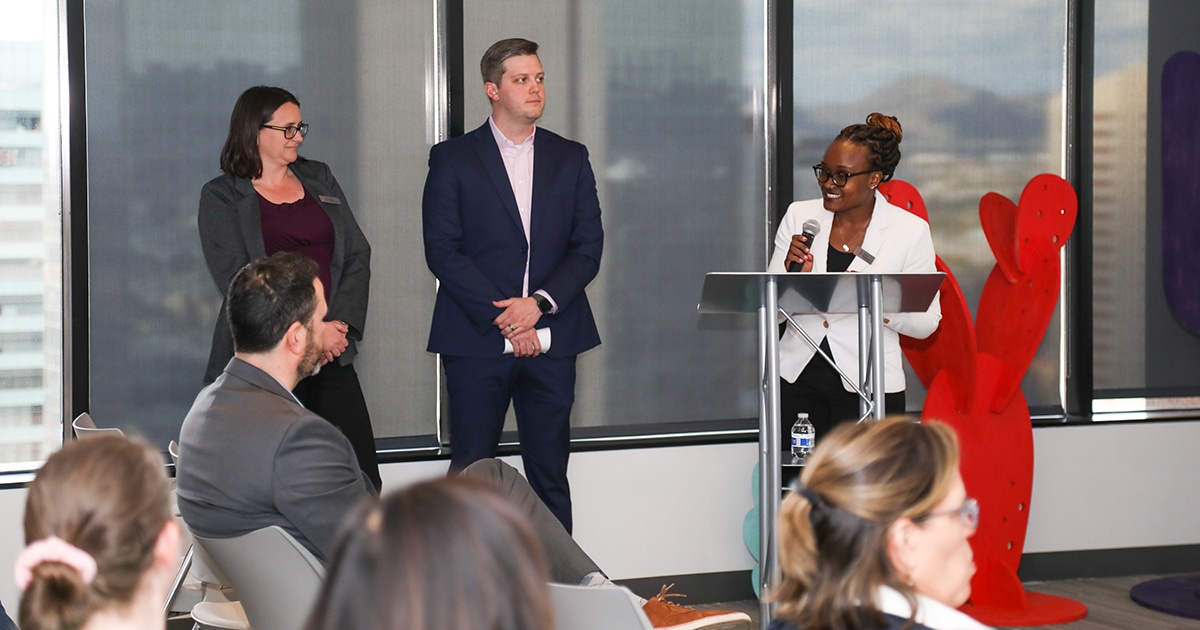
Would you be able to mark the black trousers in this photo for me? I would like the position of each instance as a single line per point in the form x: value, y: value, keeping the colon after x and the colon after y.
x: 818, y: 392
x: 335, y: 394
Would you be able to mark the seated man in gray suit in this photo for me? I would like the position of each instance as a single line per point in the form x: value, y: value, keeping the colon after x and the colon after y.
x: 251, y: 456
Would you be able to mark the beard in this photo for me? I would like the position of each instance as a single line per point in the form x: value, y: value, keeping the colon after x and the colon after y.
x: 311, y: 363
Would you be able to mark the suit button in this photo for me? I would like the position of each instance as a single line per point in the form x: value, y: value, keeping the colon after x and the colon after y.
x: 524, y: 250
x: 825, y: 324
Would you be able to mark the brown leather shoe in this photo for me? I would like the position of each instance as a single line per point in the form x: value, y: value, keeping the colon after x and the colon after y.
x: 665, y: 615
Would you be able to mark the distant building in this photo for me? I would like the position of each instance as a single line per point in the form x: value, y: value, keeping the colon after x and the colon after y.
x: 25, y: 390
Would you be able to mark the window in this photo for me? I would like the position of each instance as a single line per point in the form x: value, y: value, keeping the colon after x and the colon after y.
x: 30, y: 234
x: 1119, y: 194
x: 978, y: 90
x: 664, y: 95
x: 162, y: 80
x: 667, y: 116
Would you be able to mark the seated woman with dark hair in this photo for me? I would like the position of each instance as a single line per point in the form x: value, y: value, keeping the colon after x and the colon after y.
x: 875, y: 535
x: 101, y: 546
x: 448, y: 554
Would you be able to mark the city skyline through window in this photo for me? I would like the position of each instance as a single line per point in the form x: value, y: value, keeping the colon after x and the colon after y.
x: 30, y: 236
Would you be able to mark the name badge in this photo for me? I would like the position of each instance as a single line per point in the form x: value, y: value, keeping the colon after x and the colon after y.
x: 864, y: 254
x: 333, y: 200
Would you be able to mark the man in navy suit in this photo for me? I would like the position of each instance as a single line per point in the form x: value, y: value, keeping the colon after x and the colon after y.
x: 512, y: 230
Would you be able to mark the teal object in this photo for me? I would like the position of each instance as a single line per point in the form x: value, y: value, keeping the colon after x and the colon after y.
x: 751, y: 533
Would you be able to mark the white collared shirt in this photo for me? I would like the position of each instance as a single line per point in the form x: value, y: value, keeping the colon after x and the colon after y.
x: 518, y: 163
x: 930, y: 612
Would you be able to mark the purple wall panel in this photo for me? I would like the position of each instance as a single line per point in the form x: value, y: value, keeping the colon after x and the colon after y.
x: 1181, y: 187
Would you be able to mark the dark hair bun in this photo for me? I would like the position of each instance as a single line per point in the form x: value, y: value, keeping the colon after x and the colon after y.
x: 887, y: 122
x: 881, y: 136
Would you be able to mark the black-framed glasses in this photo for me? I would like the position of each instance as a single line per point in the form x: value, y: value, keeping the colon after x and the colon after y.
x: 839, y: 178
x: 969, y: 513
x: 290, y: 131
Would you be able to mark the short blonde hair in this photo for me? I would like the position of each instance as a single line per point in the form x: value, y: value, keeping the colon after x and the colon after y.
x: 833, y: 532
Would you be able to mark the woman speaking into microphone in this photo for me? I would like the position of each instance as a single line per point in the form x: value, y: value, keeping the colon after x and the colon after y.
x: 850, y: 228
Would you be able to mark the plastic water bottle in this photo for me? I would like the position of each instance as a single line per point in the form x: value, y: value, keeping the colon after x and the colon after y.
x: 804, y: 438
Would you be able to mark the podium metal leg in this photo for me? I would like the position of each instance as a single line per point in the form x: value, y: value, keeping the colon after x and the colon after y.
x: 870, y: 346
x: 864, y: 347
x: 877, y: 345
x: 768, y: 447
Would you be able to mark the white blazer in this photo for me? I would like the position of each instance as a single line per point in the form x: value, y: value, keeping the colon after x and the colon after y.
x: 899, y: 241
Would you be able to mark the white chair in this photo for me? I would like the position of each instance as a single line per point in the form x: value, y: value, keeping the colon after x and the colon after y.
x: 85, y: 428
x: 596, y: 608
x: 222, y: 615
x: 275, y: 577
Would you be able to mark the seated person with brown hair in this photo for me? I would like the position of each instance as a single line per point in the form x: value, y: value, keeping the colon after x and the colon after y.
x: 101, y: 544
x: 447, y: 554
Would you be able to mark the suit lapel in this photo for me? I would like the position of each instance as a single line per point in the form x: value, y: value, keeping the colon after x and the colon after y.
x: 493, y: 164
x: 820, y: 244
x: 876, y: 232
x: 544, y: 160
x: 250, y: 216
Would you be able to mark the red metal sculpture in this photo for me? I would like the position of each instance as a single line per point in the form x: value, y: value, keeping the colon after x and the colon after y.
x: 973, y: 374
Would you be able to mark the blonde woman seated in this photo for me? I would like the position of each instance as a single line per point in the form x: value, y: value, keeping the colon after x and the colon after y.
x: 101, y: 546
x: 448, y: 554
x: 875, y: 535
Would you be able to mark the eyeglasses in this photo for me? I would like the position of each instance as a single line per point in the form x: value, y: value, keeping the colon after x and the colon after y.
x: 290, y: 131
x: 969, y: 513
x: 840, y: 178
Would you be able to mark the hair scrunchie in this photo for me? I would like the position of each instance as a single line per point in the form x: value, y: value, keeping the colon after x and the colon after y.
x: 808, y: 493
x: 53, y: 549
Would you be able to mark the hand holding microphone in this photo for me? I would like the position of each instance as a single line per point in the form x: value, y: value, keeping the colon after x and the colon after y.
x: 799, y: 254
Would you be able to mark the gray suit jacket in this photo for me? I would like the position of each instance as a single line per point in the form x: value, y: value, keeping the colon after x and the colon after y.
x: 231, y: 236
x: 250, y: 456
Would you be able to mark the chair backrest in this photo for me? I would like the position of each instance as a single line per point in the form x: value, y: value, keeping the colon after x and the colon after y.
x: 275, y: 577
x: 84, y: 427
x: 596, y: 608
x: 195, y: 561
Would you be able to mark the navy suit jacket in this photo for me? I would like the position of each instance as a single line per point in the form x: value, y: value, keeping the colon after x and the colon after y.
x: 475, y: 245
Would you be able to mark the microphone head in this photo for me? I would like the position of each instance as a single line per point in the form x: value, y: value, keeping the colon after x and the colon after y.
x: 811, y: 227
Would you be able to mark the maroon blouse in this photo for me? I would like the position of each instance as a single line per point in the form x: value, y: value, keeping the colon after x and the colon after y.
x: 302, y: 227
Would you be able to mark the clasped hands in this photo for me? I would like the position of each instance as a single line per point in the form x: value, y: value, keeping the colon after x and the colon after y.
x: 334, y: 341
x: 517, y: 323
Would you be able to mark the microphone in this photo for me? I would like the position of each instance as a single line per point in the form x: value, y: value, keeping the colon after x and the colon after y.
x: 809, y: 231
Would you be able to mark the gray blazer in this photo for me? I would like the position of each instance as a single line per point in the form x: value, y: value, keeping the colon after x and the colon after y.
x: 231, y: 236
x: 250, y: 456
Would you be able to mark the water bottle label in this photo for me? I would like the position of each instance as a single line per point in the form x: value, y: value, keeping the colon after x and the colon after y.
x: 804, y: 442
